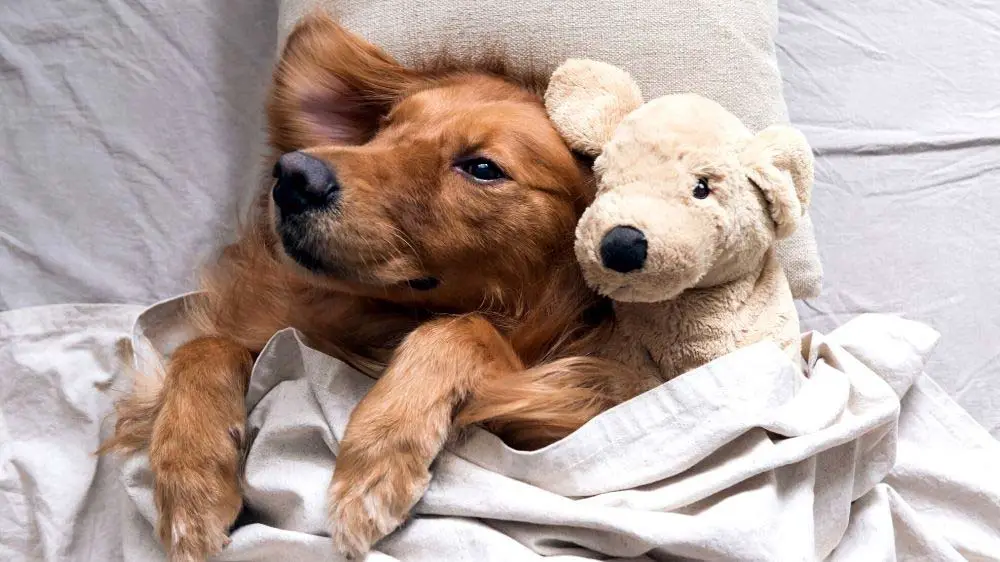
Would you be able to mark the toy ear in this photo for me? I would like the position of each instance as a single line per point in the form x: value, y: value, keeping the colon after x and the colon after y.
x: 779, y: 162
x: 586, y: 101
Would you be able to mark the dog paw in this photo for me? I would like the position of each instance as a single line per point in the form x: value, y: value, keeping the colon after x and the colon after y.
x: 368, y: 503
x: 196, y: 510
x: 197, y: 494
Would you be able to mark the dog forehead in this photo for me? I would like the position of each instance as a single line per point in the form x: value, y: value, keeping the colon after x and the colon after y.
x: 468, y: 91
x: 475, y: 109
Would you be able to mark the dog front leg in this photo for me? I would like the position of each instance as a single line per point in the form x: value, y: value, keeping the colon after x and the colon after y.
x: 193, y: 427
x: 402, y: 424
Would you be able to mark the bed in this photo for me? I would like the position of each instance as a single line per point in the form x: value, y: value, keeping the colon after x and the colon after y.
x: 115, y: 185
x: 97, y: 93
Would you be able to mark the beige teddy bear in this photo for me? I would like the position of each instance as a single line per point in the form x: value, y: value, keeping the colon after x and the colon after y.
x: 689, y: 206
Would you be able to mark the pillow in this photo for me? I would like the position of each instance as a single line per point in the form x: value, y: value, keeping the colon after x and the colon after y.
x: 722, y: 49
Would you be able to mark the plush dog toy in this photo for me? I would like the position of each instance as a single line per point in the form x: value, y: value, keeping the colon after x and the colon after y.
x: 689, y: 206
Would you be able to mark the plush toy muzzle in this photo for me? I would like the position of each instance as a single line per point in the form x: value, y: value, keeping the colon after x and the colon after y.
x: 639, y: 249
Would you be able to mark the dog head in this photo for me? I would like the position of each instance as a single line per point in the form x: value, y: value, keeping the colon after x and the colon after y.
x: 442, y: 187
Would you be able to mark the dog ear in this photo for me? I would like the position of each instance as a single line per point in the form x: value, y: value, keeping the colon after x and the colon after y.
x: 330, y: 87
x: 586, y: 101
x: 779, y: 162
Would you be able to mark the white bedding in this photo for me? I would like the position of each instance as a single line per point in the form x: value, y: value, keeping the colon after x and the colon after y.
x: 59, y: 372
x: 128, y: 134
x: 130, y: 131
x: 900, y: 100
x: 743, y: 459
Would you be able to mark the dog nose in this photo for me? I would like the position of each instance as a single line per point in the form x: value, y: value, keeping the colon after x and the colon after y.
x: 623, y: 249
x: 303, y: 183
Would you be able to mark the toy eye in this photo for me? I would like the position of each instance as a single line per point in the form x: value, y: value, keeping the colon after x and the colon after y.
x: 701, y: 190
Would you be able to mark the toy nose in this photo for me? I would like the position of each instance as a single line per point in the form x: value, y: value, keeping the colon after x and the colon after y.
x: 623, y: 249
x: 303, y: 183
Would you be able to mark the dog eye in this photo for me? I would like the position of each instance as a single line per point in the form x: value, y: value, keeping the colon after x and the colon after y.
x: 701, y: 190
x: 481, y: 169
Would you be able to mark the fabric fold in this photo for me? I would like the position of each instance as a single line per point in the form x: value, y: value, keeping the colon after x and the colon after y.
x: 746, y: 458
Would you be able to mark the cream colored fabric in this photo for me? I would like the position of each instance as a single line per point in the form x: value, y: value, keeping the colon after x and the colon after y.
x: 722, y: 49
x: 862, y: 458
x: 59, y: 372
x: 865, y: 459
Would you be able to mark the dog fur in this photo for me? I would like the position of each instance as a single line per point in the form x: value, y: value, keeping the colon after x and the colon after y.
x: 503, y: 340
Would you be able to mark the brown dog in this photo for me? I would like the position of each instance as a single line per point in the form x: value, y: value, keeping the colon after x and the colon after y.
x: 421, y: 221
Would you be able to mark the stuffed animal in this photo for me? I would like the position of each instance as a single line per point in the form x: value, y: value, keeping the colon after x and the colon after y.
x: 689, y: 206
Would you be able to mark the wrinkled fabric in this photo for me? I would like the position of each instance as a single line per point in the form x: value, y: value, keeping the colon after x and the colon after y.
x: 862, y: 457
x: 60, y: 369
x: 131, y: 132
x: 899, y: 100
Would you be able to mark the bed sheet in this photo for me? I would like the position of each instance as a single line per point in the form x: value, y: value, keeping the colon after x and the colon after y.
x: 864, y: 459
x: 131, y: 129
x: 900, y: 101
x: 129, y: 132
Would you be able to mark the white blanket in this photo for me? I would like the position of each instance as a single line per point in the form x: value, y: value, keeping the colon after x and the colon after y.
x: 863, y: 458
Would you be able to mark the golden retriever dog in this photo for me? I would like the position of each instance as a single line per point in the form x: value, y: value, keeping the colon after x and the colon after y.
x: 420, y: 227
